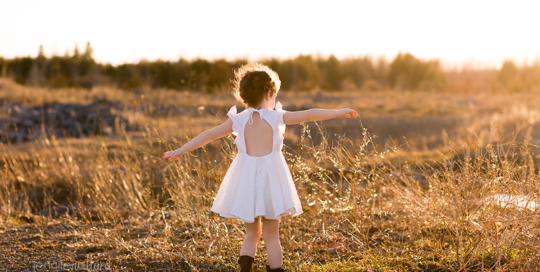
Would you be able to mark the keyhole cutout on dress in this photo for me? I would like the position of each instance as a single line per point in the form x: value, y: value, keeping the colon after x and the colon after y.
x: 258, y: 136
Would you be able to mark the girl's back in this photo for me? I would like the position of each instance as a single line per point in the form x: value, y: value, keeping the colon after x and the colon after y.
x: 258, y: 135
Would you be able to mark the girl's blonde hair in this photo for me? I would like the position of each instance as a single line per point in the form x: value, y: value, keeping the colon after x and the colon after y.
x: 252, y: 81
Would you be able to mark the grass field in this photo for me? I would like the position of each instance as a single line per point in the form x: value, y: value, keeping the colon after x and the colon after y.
x: 422, y: 182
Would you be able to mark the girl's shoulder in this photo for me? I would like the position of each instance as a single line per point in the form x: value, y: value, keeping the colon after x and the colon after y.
x: 279, y: 110
x: 279, y: 107
x: 235, y: 114
x: 232, y: 112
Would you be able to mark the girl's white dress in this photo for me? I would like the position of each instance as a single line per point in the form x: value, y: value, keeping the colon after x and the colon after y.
x: 257, y: 186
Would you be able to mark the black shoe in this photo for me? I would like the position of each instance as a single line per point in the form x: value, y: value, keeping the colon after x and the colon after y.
x: 274, y: 270
x: 246, y: 263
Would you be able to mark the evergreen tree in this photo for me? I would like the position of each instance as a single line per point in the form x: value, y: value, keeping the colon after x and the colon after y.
x: 88, y: 52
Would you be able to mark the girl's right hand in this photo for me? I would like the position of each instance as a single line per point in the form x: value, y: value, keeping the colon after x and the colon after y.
x: 348, y: 113
x: 172, y: 155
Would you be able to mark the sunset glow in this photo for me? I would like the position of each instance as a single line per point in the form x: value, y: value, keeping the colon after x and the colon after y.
x: 483, y: 33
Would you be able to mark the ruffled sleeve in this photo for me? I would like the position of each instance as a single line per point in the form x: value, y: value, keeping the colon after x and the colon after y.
x: 280, y: 112
x: 232, y: 114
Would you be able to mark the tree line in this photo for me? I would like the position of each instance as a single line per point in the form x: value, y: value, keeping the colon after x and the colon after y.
x: 304, y: 72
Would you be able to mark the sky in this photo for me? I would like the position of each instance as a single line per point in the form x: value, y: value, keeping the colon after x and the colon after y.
x: 458, y: 33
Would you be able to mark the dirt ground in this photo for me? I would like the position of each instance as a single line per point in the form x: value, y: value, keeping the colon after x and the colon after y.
x: 68, y: 246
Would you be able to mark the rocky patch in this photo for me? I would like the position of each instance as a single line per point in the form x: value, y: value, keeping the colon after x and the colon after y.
x: 61, y: 120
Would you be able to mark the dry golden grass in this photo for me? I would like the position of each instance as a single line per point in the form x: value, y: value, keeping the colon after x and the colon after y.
x: 470, y: 204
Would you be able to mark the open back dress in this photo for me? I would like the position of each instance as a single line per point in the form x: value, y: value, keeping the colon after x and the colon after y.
x: 257, y: 186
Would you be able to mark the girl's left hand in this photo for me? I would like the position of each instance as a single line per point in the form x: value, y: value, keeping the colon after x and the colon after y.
x: 172, y: 155
x: 348, y: 113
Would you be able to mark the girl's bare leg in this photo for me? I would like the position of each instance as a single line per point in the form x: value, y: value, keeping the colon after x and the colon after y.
x: 253, y: 234
x: 273, y: 246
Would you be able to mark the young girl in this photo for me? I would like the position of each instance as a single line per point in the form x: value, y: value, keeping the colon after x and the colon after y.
x: 258, y: 185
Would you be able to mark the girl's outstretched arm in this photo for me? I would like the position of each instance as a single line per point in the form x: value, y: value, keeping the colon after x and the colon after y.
x: 203, y: 138
x: 296, y: 117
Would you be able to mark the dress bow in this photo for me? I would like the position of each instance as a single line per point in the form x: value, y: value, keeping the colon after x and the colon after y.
x: 250, y: 118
